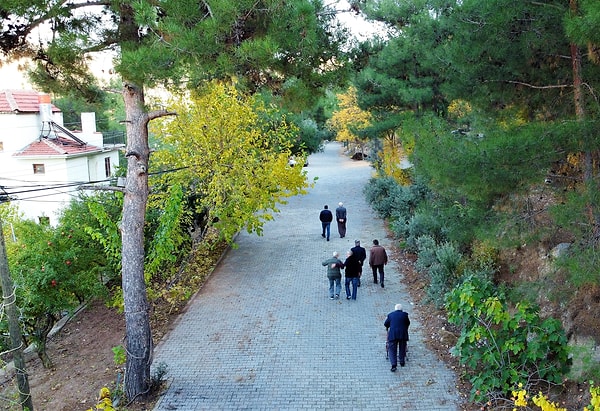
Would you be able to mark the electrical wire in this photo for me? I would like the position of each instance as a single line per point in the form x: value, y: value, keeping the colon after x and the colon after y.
x: 10, y: 192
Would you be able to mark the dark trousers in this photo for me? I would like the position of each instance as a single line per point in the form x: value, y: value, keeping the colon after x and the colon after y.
x: 342, y: 229
x: 397, y: 352
x: 377, y: 268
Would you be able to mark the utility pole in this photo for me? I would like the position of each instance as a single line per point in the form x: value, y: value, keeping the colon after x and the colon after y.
x: 9, y: 304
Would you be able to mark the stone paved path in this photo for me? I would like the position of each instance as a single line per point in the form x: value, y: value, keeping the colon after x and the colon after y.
x: 262, y: 333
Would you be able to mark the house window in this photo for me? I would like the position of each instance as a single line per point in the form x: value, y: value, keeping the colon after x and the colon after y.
x: 107, y: 167
x: 39, y: 169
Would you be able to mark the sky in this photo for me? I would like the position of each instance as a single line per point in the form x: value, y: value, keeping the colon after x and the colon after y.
x: 12, y: 79
x: 361, y: 28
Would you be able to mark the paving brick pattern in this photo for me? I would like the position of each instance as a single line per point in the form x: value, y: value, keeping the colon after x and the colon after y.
x: 262, y: 333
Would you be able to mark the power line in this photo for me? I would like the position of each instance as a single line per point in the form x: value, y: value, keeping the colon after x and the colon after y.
x: 10, y: 192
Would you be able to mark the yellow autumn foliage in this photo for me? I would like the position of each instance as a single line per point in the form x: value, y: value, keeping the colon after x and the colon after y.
x: 349, y: 117
x: 232, y: 152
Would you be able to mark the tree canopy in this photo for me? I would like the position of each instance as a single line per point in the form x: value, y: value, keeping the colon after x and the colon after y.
x: 231, y: 154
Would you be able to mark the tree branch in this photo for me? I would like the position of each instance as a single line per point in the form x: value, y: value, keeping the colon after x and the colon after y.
x: 62, y: 6
x: 529, y: 85
x: 537, y: 3
x: 160, y: 113
x: 210, y: 13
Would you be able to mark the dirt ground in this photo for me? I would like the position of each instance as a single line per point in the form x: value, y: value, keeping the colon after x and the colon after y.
x: 83, y: 363
x: 83, y: 357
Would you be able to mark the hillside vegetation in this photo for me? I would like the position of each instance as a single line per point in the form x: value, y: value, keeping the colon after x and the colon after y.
x: 495, y: 106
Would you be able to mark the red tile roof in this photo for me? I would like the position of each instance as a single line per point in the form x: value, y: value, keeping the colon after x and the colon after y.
x: 59, y: 146
x: 21, y: 101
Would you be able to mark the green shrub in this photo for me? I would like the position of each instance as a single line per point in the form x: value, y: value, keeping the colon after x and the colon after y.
x: 381, y: 192
x: 484, y: 255
x: 399, y: 228
x: 438, y: 285
x: 461, y: 221
x: 426, y: 248
x: 423, y: 223
x: 449, y: 257
x: 582, y: 265
x: 55, y: 270
x: 502, y: 346
x: 394, y: 201
x: 443, y: 273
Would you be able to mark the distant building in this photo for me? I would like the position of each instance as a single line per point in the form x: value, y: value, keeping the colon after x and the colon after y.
x: 41, y: 162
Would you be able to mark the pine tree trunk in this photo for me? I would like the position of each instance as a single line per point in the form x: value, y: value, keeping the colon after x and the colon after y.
x: 137, y: 317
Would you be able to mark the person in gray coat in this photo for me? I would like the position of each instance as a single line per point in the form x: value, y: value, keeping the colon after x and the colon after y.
x: 341, y: 218
x: 396, y: 324
x: 334, y: 274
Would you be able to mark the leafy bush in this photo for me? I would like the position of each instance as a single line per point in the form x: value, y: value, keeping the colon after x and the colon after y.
x: 442, y: 264
x: 582, y: 265
x: 54, y: 271
x: 484, y: 255
x: 104, y: 401
x: 381, y: 193
x: 443, y: 273
x: 501, y: 345
x: 520, y: 398
x: 423, y: 223
x: 461, y: 221
x: 426, y: 247
x: 395, y: 202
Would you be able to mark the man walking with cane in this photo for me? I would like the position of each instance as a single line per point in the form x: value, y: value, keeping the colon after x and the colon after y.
x: 396, y: 324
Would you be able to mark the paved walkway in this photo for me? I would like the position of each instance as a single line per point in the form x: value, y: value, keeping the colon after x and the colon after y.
x: 262, y: 333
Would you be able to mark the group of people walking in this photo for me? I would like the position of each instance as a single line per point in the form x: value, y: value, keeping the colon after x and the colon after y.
x: 355, y: 257
x: 397, y: 322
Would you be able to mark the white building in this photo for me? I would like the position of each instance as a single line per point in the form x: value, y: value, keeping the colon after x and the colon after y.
x: 42, y: 164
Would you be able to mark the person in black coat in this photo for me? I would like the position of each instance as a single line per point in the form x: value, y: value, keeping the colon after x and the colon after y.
x: 361, y: 254
x: 396, y: 324
x: 326, y: 217
x: 352, y: 266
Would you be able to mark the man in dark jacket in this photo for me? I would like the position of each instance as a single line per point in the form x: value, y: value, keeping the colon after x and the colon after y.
x: 361, y: 255
x: 352, y: 266
x: 326, y: 218
x: 396, y: 324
